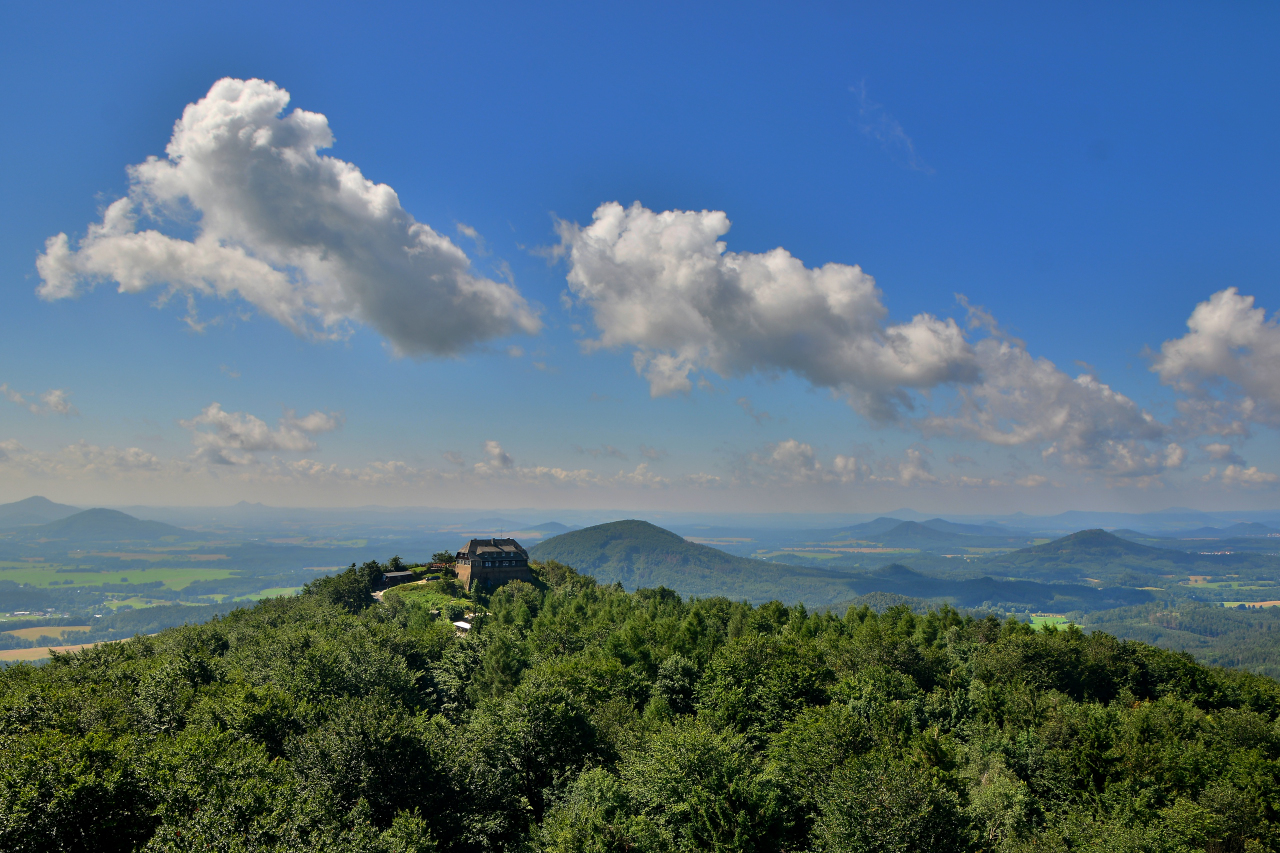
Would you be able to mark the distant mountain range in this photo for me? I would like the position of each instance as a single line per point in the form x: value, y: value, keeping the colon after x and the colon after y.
x: 1250, y: 528
x: 639, y: 554
x: 103, y: 525
x: 380, y: 521
x: 33, y: 510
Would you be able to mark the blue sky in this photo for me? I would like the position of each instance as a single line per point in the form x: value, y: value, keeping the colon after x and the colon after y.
x: 1085, y: 176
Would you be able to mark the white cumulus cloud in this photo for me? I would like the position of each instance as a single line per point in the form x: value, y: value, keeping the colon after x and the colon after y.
x: 1249, y: 478
x: 307, y: 239
x: 496, y: 459
x: 1080, y: 422
x: 55, y: 400
x: 666, y: 285
x: 1219, y: 452
x: 231, y: 438
x: 1227, y: 364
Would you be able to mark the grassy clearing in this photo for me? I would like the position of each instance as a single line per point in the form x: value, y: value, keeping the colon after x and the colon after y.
x: 55, y: 575
x: 1039, y: 620
x: 428, y: 595
x: 7, y: 622
x: 274, y: 592
x: 137, y: 602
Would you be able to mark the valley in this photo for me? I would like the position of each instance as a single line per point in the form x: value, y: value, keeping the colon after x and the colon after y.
x: 115, y: 572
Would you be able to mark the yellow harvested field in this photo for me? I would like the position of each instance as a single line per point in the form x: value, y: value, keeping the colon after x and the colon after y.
x: 47, y: 631
x: 42, y: 652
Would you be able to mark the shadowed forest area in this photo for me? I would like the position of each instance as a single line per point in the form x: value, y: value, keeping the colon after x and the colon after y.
x: 580, y: 717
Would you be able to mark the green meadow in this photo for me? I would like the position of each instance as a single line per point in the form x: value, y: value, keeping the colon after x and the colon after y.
x: 443, y: 596
x: 274, y: 592
x: 48, y: 574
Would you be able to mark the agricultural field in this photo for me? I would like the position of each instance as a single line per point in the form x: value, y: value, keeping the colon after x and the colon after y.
x: 50, y: 574
x: 1203, y: 582
x: 830, y: 554
x: 47, y: 631
x: 274, y: 592
x: 39, y: 652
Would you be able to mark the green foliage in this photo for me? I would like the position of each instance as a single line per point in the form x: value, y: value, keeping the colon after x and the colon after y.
x: 1244, y: 639
x: 882, y: 805
x: 576, y: 716
x: 352, y: 589
x: 698, y: 787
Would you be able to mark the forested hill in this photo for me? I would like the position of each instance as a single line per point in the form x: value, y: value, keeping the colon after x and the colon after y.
x: 639, y: 554
x: 579, y: 717
x: 1103, y: 556
x: 103, y: 525
x: 32, y: 510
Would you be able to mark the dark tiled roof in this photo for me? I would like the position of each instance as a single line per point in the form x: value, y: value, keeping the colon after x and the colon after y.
x: 494, y: 547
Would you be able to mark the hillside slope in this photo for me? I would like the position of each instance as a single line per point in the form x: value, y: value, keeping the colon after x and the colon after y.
x: 33, y: 510
x: 104, y: 525
x: 638, y: 554
x: 574, y: 717
x: 1219, y: 636
x: 913, y: 534
x: 1105, y: 557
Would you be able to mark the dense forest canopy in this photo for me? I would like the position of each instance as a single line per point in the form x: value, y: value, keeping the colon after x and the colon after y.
x: 580, y: 717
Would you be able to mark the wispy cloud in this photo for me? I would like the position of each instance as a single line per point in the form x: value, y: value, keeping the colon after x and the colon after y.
x: 55, y: 401
x: 607, y: 450
x: 758, y: 416
x: 876, y: 123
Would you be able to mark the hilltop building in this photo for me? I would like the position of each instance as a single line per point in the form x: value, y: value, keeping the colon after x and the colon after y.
x: 492, y: 562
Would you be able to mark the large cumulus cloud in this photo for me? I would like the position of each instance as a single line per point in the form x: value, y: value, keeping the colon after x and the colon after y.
x: 1079, y: 422
x: 307, y: 239
x: 1228, y: 365
x: 665, y: 285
